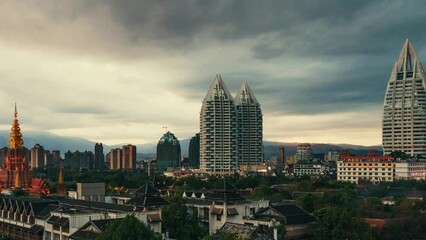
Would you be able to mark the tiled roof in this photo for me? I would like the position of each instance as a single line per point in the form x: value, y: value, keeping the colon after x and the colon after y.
x: 73, y: 203
x: 292, y: 214
x: 147, y: 195
x: 227, y: 193
x: 244, y: 231
x: 147, y: 190
x: 45, y: 212
x: 144, y: 201
x: 61, y: 221
x: 34, y: 229
x: 84, y: 234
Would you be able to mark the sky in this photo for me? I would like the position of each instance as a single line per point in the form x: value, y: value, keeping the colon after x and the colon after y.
x: 120, y: 71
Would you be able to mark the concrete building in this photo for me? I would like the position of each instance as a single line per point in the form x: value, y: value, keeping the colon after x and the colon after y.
x: 404, y: 115
x: 249, y: 127
x: 304, y: 153
x: 218, y: 140
x: 224, y: 205
x: 372, y: 168
x: 128, y: 157
x: 332, y: 156
x: 79, y: 160
x: 115, y: 159
x: 291, y: 159
x: 37, y: 156
x: 99, y: 162
x: 60, y: 218
x: 49, y: 158
x: 94, y: 192
x: 194, y: 151
x: 281, y: 160
x: 309, y: 169
x: 410, y: 170
x: 168, y: 152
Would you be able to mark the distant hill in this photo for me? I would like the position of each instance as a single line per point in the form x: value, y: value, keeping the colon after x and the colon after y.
x: 55, y: 142
x: 271, y: 148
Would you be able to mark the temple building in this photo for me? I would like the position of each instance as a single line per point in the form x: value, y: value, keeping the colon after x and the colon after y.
x: 16, y: 171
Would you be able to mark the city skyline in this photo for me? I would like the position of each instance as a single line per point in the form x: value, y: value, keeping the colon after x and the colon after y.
x: 119, y: 73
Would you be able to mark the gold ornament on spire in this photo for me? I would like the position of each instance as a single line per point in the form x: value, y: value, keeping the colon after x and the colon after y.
x: 61, y: 176
x: 15, y: 139
x: 17, y: 178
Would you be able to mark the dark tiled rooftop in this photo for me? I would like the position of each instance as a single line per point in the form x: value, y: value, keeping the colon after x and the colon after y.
x: 72, y: 203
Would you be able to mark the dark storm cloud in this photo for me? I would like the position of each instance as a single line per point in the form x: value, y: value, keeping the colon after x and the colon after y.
x: 338, y: 32
x: 299, y: 57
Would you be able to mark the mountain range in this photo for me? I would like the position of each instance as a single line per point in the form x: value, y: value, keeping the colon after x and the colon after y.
x: 55, y: 142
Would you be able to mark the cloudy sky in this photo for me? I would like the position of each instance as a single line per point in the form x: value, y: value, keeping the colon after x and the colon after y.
x: 119, y: 71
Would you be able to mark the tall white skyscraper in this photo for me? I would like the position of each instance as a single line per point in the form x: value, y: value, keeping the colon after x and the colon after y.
x: 249, y: 127
x: 218, y: 148
x: 404, y: 115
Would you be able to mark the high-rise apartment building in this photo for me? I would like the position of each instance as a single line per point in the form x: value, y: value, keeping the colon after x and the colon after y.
x: 249, y: 127
x: 79, y: 160
x: 231, y: 132
x: 281, y: 155
x: 404, y: 115
x: 115, y: 159
x: 194, y: 151
x: 128, y: 157
x: 99, y: 157
x: 218, y: 140
x: 168, y: 152
x: 37, y: 156
x: 48, y: 159
x: 304, y: 153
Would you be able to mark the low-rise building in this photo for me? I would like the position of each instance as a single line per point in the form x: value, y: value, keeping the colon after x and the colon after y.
x: 410, y: 170
x: 309, y: 169
x: 295, y: 219
x: 61, y: 218
x: 224, y: 205
x: 371, y: 168
x: 379, y: 169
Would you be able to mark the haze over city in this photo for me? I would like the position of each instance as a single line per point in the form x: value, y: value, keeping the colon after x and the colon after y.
x: 119, y: 73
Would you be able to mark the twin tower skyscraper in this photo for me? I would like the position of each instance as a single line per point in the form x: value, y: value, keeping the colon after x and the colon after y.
x: 231, y: 130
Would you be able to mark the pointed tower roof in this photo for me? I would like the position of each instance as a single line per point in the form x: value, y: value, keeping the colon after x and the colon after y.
x: 218, y: 88
x: 408, y: 60
x: 147, y: 195
x: 15, y: 139
x: 245, y: 95
x: 228, y: 193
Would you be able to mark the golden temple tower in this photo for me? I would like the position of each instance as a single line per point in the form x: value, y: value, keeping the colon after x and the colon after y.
x: 16, y: 171
x: 61, y: 186
x: 15, y: 138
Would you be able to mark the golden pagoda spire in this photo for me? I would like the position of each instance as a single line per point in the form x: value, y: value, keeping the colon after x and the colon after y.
x: 61, y: 175
x: 17, y: 178
x: 15, y: 139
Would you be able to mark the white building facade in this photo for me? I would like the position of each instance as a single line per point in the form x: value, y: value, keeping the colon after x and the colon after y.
x: 249, y: 128
x: 404, y: 115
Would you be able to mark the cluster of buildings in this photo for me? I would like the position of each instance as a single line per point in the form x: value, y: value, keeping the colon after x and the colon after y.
x: 231, y: 130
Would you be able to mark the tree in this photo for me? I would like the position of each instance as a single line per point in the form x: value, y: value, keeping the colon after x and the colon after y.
x: 340, y: 223
x: 223, y: 235
x: 281, y: 231
x: 180, y: 221
x: 128, y: 228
